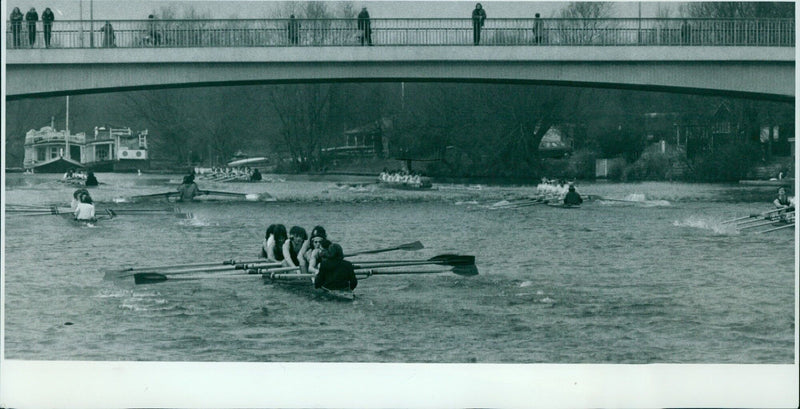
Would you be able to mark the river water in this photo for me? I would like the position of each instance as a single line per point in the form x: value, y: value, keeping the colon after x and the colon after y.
x: 656, y: 278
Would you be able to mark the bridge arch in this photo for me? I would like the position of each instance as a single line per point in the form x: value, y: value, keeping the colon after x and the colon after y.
x: 751, y: 72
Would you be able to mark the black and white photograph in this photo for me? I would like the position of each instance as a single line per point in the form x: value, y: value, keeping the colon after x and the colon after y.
x: 382, y: 204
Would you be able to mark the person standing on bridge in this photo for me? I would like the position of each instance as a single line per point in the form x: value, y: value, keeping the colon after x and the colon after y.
x: 686, y: 33
x: 537, y: 30
x: 152, y: 31
x: 365, y: 27
x: 16, y: 26
x: 47, y: 22
x: 31, y: 17
x: 478, y: 18
x: 109, y: 39
x: 294, y: 30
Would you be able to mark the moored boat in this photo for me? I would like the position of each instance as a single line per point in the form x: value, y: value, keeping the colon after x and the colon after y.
x: 770, y: 182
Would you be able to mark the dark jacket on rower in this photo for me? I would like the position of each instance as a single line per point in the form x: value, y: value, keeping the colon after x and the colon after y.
x: 572, y: 198
x: 91, y: 180
x: 336, y: 275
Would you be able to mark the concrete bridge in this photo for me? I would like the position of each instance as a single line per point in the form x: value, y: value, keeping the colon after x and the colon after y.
x: 750, y: 58
x: 750, y: 72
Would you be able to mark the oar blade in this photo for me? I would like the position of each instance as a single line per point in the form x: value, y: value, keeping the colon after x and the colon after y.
x: 417, y: 245
x: 466, y: 271
x: 453, y: 260
x: 409, y: 246
x: 149, y: 278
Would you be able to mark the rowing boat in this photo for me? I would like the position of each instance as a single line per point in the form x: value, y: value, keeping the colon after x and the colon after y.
x: 290, y: 279
x: 304, y: 285
x: 777, y: 219
x: 424, y: 183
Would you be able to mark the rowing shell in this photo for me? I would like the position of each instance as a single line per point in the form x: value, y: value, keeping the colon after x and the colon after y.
x: 305, y: 286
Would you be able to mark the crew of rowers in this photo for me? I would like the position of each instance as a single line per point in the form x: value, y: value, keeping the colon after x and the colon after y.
x: 237, y: 173
x: 315, y: 255
x: 400, y: 176
x: 86, y: 178
x: 558, y: 191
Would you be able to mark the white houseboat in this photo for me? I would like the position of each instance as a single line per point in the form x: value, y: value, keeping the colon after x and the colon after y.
x: 109, y: 150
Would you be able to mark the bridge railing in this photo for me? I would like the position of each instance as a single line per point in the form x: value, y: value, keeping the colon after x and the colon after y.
x: 404, y: 32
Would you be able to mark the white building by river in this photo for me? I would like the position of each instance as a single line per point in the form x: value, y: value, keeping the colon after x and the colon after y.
x: 107, y: 150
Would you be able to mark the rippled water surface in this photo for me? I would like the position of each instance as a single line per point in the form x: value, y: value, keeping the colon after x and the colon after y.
x: 654, y: 278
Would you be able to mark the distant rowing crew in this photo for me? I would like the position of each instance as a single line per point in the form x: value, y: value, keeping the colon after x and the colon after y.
x: 80, y: 177
x: 558, y: 191
x: 229, y: 174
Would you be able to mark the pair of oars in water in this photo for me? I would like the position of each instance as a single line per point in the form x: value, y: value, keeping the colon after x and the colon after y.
x: 26, y: 210
x: 245, y: 196
x: 462, y: 265
x: 761, y: 219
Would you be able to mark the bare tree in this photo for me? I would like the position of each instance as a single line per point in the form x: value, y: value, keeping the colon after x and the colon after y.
x: 739, y: 9
x: 585, y: 23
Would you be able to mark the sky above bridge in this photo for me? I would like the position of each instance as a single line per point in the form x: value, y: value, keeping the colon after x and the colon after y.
x: 139, y: 9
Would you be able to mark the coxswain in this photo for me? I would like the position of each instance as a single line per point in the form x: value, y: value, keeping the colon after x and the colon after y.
x: 272, y: 248
x: 783, y: 202
x: 188, y: 189
x: 85, y: 209
x: 572, y: 197
x: 90, y: 179
x: 255, y: 176
x: 335, y: 273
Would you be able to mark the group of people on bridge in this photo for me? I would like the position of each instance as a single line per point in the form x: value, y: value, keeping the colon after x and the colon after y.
x: 31, y: 17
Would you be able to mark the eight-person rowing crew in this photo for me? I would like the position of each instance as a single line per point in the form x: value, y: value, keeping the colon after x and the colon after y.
x: 84, y: 177
x: 227, y: 174
x: 558, y: 191
x: 314, y: 254
x: 400, y: 176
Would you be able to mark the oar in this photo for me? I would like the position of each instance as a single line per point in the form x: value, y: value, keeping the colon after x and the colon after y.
x: 750, y: 226
x: 528, y: 204
x: 460, y: 270
x: 754, y: 215
x: 56, y: 212
x: 32, y: 211
x: 444, y: 259
x: 212, y: 269
x: 408, y: 246
x: 165, y: 194
x: 137, y: 211
x: 467, y: 271
x: 776, y: 228
x: 230, y: 262
x: 153, y: 277
x: 247, y: 196
x: 520, y: 203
